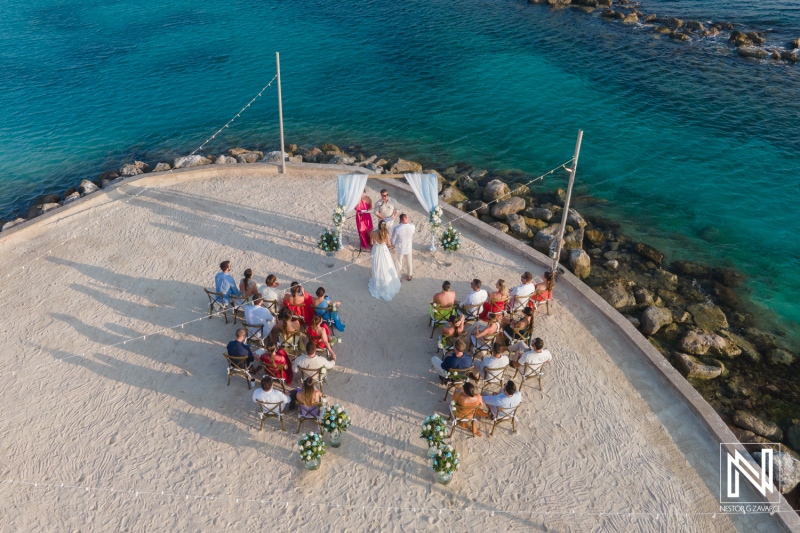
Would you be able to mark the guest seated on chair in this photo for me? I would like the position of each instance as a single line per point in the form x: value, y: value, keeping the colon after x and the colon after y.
x: 507, y: 399
x: 535, y: 356
x: 499, y: 359
x: 509, y: 324
x: 497, y: 300
x: 299, y: 301
x: 469, y: 403
x: 268, y: 394
x: 321, y: 304
x: 247, y: 285
x: 287, y: 324
x: 455, y: 361
x: 446, y: 298
x: 320, y: 335
x: 308, y: 396
x: 237, y: 348
x: 311, y: 360
x: 268, y: 289
x: 477, y: 296
x: 454, y: 326
x: 224, y: 283
x: 480, y: 330
x: 272, y: 357
x: 544, y: 290
x: 257, y: 315
x: 525, y: 289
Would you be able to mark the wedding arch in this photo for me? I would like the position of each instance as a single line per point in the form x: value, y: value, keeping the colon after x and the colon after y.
x: 425, y: 187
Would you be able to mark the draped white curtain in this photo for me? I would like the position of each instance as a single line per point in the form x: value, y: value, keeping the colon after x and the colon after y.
x: 350, y: 188
x: 426, y: 189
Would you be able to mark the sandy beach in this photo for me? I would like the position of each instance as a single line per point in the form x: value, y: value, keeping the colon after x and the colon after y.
x: 116, y: 415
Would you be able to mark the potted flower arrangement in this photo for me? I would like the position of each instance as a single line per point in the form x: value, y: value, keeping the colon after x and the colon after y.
x: 435, y: 217
x: 312, y: 448
x: 335, y: 420
x: 330, y: 243
x: 451, y: 242
x: 338, y: 217
x: 444, y: 463
x: 434, y: 430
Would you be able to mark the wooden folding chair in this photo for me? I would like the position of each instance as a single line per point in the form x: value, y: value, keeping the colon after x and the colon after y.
x: 216, y: 302
x: 505, y: 414
x: 270, y: 410
x: 237, y: 366
x: 275, y: 371
x: 460, y: 376
x: 439, y: 315
x: 493, y: 376
x: 468, y: 417
x: 317, y: 374
x: 311, y: 413
x: 327, y: 318
x: 238, y: 303
x: 272, y: 306
x: 483, y: 345
x: 471, y: 313
x: 531, y: 371
x: 255, y: 334
x: 518, y: 303
x: 524, y: 334
x: 290, y: 342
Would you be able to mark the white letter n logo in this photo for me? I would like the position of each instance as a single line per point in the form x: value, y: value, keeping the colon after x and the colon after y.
x: 738, y: 463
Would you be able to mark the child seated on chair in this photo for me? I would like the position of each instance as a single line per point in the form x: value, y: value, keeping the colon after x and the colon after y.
x: 469, y: 403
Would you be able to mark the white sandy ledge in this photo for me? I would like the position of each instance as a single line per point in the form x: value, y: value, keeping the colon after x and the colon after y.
x: 616, y: 430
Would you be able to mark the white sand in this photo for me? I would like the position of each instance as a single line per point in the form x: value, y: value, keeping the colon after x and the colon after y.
x: 604, y: 439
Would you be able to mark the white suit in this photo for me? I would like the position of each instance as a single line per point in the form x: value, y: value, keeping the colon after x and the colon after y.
x: 403, y: 239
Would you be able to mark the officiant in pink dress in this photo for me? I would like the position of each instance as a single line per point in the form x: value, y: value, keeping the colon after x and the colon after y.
x: 364, y: 220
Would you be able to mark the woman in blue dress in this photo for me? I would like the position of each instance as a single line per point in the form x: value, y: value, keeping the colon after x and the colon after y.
x: 322, y: 304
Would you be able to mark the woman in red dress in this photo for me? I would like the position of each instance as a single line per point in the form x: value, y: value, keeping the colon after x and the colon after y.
x: 544, y: 290
x: 364, y: 220
x: 497, y: 300
x: 299, y: 303
x: 320, y: 335
x: 274, y: 357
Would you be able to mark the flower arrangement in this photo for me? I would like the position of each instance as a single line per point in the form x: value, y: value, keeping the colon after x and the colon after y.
x: 434, y: 429
x: 338, y: 216
x: 446, y: 460
x: 436, y: 217
x: 450, y: 239
x: 312, y: 447
x: 335, y: 419
x: 329, y: 241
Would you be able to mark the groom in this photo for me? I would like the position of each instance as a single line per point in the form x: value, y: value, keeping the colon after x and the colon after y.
x: 402, y: 237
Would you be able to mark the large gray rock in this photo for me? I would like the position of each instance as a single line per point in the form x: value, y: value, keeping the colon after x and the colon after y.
x: 191, y: 161
x: 275, y: 156
x: 573, y: 240
x: 749, y: 421
x: 618, y: 294
x: 544, y: 238
x: 580, y: 263
x: 311, y: 156
x: 87, y: 187
x: 342, y: 159
x: 793, y: 437
x: 452, y: 195
x: 649, y: 253
x: 71, y: 198
x: 162, y: 167
x: 495, y: 190
x: 11, y: 223
x: 466, y: 183
x: 699, y: 369
x: 539, y: 213
x: 752, y: 51
x: 786, y: 470
x: 631, y: 18
x: 233, y: 152
x: 499, y: 226
x: 517, y: 226
x: 654, y: 318
x: 402, y: 166
x: 708, y: 316
x: 249, y: 157
x: 130, y: 170
x: 702, y: 343
x: 512, y: 206
x: 226, y: 160
x: 480, y: 207
x: 575, y: 219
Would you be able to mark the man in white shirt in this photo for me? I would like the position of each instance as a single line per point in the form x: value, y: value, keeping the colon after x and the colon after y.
x: 402, y: 237
x: 256, y: 315
x: 267, y: 394
x: 524, y: 290
x: 385, y: 209
x: 508, y: 399
x: 537, y: 356
x: 311, y: 361
x: 499, y: 359
x: 477, y: 296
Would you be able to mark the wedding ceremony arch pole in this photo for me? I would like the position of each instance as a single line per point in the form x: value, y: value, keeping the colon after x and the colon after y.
x: 565, y: 214
x: 280, y: 109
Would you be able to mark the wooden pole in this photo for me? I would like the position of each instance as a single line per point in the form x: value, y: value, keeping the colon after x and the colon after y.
x: 560, y: 242
x: 280, y: 109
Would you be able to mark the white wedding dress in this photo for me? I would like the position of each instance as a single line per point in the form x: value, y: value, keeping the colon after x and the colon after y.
x: 385, y: 282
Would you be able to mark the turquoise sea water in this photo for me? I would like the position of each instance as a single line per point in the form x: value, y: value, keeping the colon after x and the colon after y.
x: 696, y: 149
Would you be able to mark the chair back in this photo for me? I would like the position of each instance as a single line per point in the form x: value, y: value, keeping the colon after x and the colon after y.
x: 459, y: 375
x: 471, y: 312
x: 272, y: 306
x: 255, y: 333
x: 309, y: 412
x: 466, y: 414
x: 484, y: 344
x: 494, y: 375
x: 271, y: 409
x: 238, y: 303
x: 215, y: 298
x: 317, y: 374
x: 519, y: 303
x: 498, y: 307
x: 506, y: 413
x: 533, y: 370
x: 290, y: 342
x: 236, y: 362
x: 440, y: 313
x: 276, y: 371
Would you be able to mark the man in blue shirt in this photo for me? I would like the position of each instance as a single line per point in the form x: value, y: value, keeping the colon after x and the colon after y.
x: 455, y: 361
x: 225, y: 283
x: 238, y: 348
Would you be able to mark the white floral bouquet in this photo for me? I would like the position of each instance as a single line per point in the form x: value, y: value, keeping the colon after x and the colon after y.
x: 445, y: 460
x: 450, y: 239
x: 434, y: 430
x: 312, y: 447
x: 329, y: 241
x: 436, y: 217
x: 335, y: 418
x: 338, y: 216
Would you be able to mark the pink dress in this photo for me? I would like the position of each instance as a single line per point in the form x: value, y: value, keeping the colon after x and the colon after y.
x: 364, y: 223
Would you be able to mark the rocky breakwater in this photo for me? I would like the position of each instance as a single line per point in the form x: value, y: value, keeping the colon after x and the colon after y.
x: 747, y: 42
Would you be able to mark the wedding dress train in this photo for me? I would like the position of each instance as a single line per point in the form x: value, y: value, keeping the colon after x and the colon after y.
x: 384, y: 283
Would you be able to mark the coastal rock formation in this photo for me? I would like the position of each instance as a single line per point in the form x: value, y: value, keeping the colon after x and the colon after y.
x: 630, y: 18
x: 479, y: 207
x: 752, y: 51
x: 512, y: 206
x: 162, y: 167
x: 226, y: 160
x: 11, y: 223
x: 612, y: 264
x: 495, y: 190
x: 786, y: 470
x: 191, y: 161
x: 233, y: 152
x: 794, y: 44
x: 543, y: 239
x: 618, y: 294
x: 580, y: 263
x: 342, y: 159
x: 595, y: 236
x: 708, y: 316
x: 466, y: 183
x: 131, y: 170
x: 573, y: 240
x: 779, y: 356
x: 275, y: 156
x: 311, y: 156
x: 654, y: 318
x: 793, y: 436
x: 539, y: 213
x: 499, y: 226
x: 649, y: 253
x: 452, y: 195
x: 249, y: 157
x: 71, y: 198
x: 699, y: 369
x: 402, y: 166
x: 702, y: 342
x: 87, y: 187
x: 575, y: 219
x: 749, y: 421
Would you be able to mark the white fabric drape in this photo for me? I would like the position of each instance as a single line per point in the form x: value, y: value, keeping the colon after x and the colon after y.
x: 426, y: 189
x: 350, y: 188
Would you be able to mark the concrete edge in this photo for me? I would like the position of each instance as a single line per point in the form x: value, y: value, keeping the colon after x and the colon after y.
x: 697, y: 404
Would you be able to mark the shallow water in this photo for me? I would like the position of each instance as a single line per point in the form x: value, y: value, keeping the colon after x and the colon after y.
x: 697, y: 149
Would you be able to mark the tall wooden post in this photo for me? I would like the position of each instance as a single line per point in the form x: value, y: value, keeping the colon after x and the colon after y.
x: 560, y: 242
x: 280, y: 110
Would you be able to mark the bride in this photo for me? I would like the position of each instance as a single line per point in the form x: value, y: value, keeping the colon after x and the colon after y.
x: 384, y: 283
